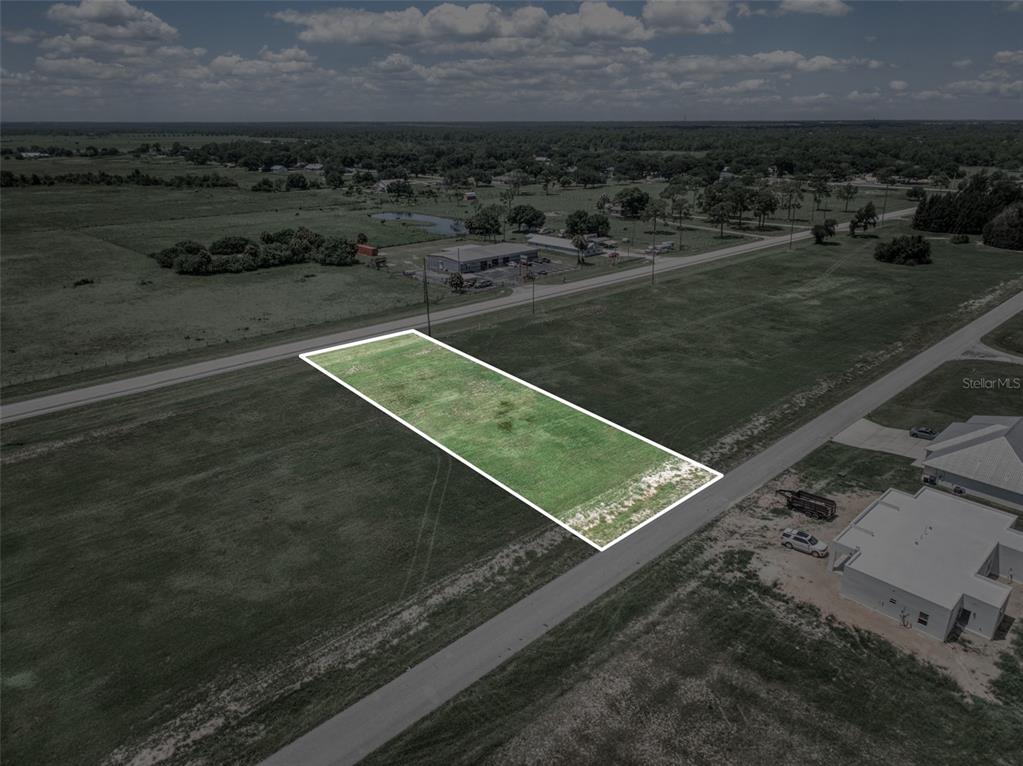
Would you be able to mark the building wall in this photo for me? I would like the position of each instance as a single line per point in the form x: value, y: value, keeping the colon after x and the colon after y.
x: 1009, y: 558
x: 878, y: 595
x: 984, y: 618
x: 975, y: 488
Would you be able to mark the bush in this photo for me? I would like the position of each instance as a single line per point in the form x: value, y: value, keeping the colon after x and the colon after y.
x: 229, y: 245
x: 1005, y: 230
x: 167, y: 256
x: 908, y: 251
x: 193, y: 263
x: 337, y: 251
x: 959, y: 239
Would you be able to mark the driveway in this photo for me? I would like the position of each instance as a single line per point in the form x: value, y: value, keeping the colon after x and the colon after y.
x: 869, y: 435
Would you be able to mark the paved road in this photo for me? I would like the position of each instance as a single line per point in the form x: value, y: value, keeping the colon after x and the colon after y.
x: 375, y: 719
x: 986, y: 353
x: 522, y: 296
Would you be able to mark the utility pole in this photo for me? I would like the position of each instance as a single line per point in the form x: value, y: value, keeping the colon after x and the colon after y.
x: 884, y: 204
x: 532, y: 278
x: 792, y: 224
x: 426, y: 296
x: 653, y: 263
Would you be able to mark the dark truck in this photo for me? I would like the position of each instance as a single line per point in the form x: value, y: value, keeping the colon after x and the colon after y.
x: 814, y: 506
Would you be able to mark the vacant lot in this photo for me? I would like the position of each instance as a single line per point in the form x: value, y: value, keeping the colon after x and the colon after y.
x: 596, y: 479
x: 954, y: 392
x: 233, y: 560
x: 262, y: 549
x: 1008, y: 337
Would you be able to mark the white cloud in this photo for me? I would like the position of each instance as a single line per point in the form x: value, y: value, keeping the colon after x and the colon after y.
x: 1009, y: 57
x: 864, y: 97
x: 598, y: 21
x: 112, y: 19
x: 962, y: 63
x: 768, y: 61
x: 811, y: 100
x: 19, y: 36
x: 898, y: 85
x: 1001, y: 88
x: 932, y: 95
x: 82, y: 67
x: 820, y: 7
x: 692, y: 17
x: 284, y: 62
x: 67, y: 44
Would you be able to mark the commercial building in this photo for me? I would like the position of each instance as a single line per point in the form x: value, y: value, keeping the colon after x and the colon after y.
x: 476, y: 256
x: 982, y: 457
x: 931, y: 560
x: 560, y: 244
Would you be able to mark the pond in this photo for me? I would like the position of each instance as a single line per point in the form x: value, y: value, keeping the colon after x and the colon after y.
x: 432, y: 223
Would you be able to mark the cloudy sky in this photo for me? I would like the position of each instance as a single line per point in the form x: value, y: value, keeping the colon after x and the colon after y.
x: 112, y: 60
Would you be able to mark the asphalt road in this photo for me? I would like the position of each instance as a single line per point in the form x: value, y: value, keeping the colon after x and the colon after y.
x: 385, y: 713
x: 63, y: 400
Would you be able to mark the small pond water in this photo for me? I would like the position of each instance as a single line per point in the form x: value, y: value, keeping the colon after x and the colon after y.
x: 433, y: 223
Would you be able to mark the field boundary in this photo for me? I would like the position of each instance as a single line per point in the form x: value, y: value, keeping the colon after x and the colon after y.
x: 715, y: 475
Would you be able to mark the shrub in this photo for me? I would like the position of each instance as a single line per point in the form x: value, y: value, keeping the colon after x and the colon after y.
x: 908, y: 250
x: 1005, y: 230
x: 229, y: 245
x: 337, y: 251
x: 193, y: 263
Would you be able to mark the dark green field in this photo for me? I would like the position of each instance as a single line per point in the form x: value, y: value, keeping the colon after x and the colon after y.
x: 162, y: 549
x: 1008, y: 337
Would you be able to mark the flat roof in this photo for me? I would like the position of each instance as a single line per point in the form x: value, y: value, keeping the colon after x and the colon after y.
x: 931, y: 544
x: 480, y: 251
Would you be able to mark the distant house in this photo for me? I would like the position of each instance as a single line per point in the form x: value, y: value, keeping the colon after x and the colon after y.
x: 560, y: 244
x: 315, y: 166
x: 34, y: 155
x: 726, y: 174
x: 931, y: 560
x: 477, y: 256
x: 470, y: 196
x: 381, y: 185
x: 278, y: 169
x: 982, y: 457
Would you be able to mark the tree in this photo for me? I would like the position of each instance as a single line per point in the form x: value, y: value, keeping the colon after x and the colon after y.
x: 577, y: 222
x: 399, y: 188
x: 581, y: 245
x: 485, y: 222
x: 1005, y: 230
x: 632, y: 200
x: 655, y: 210
x: 719, y: 215
x: 847, y: 193
x: 916, y: 193
x: 823, y: 231
x: 764, y: 204
x: 599, y: 225
x: 334, y: 177
x: 526, y: 217
x: 820, y: 187
x: 906, y: 250
x: 337, y: 251
x: 361, y: 238
x: 456, y: 282
x: 864, y: 218
x: 602, y: 202
x: 297, y: 181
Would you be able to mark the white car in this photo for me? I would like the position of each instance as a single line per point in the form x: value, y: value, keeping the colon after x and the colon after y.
x: 805, y: 542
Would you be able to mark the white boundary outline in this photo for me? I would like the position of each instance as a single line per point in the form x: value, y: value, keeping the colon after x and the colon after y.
x: 716, y: 475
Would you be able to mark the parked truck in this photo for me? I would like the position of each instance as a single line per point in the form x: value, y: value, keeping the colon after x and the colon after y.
x: 814, y: 506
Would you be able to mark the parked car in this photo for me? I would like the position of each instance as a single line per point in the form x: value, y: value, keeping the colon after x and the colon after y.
x: 804, y: 542
x: 922, y: 432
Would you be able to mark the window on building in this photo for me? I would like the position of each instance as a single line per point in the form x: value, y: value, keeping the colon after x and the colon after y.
x: 922, y: 618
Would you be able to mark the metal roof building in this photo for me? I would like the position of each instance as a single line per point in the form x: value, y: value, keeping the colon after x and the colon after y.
x: 477, y: 256
x: 981, y: 457
x: 929, y: 560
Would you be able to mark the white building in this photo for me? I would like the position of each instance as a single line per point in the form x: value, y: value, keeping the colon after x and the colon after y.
x: 560, y: 244
x: 982, y: 457
x: 480, y: 257
x: 930, y: 560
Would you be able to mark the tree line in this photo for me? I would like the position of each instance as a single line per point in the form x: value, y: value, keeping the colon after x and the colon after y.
x: 238, y: 254
x: 102, y: 178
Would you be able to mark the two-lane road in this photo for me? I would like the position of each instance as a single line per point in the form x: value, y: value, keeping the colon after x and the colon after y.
x: 62, y: 400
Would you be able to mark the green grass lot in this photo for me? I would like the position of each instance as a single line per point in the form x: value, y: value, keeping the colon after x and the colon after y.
x: 1008, y: 337
x: 598, y: 480
x: 165, y: 547
x: 954, y: 392
x: 695, y: 660
x: 159, y: 549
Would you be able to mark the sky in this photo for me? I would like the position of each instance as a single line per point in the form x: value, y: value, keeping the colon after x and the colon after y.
x: 111, y: 60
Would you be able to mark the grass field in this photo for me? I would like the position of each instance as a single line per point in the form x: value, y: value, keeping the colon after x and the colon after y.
x: 249, y: 528
x: 1008, y: 337
x: 597, y: 480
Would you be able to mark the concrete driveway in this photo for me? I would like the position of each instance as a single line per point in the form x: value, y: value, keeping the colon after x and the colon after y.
x: 869, y: 435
